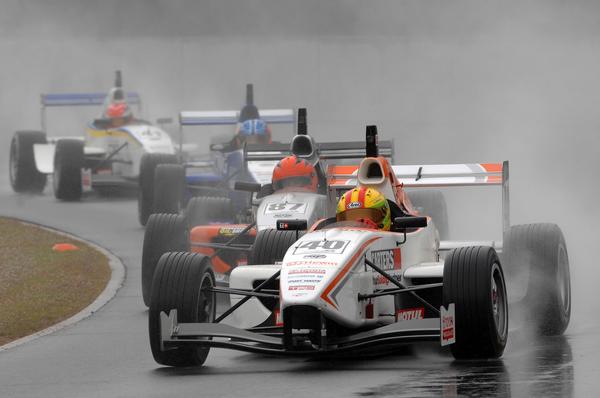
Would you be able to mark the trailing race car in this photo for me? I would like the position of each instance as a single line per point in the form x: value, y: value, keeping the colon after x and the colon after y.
x: 170, y: 187
x: 374, y: 276
x: 297, y: 189
x: 107, y: 157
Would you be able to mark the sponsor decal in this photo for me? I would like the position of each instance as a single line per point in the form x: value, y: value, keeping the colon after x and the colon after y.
x: 353, y: 205
x: 315, y: 256
x: 271, y: 208
x: 312, y: 262
x: 409, y: 314
x: 230, y: 230
x: 321, y: 246
x: 447, y: 325
x: 306, y: 271
x: 301, y: 287
x: 278, y: 318
x: 86, y: 180
x: 387, y: 260
x: 280, y: 215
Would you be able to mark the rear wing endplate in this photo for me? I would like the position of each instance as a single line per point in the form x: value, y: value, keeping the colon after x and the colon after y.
x: 436, y: 176
x: 212, y: 118
x: 326, y: 150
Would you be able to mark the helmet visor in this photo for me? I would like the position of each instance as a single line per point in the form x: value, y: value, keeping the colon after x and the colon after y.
x: 374, y: 215
x: 298, y: 181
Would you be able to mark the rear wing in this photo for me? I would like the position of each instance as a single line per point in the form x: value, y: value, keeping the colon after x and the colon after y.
x: 215, y: 118
x: 436, y: 176
x: 80, y: 99
x: 326, y: 150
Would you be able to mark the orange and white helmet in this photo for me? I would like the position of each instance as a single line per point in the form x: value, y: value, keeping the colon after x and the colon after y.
x: 366, y: 205
x: 292, y: 171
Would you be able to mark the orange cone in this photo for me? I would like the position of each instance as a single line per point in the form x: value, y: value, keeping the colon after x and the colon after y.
x: 64, y: 247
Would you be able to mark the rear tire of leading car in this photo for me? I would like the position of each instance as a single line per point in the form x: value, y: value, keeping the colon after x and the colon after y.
x: 164, y: 233
x: 542, y: 248
x: 148, y: 164
x: 433, y: 204
x: 68, y: 162
x: 474, y: 282
x: 182, y: 282
x: 23, y: 173
x: 169, y: 180
x: 206, y: 209
x: 271, y: 245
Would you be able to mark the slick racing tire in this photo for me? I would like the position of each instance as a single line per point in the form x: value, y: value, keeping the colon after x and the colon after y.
x: 433, y: 204
x: 24, y: 176
x: 182, y: 282
x: 474, y: 282
x: 270, y: 246
x: 169, y: 185
x: 148, y: 164
x: 541, y: 250
x: 206, y: 209
x: 164, y: 233
x: 68, y: 162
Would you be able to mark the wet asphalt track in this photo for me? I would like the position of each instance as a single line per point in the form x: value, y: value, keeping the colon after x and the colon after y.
x: 108, y: 355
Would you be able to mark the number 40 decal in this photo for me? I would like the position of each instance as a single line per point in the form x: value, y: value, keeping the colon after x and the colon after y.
x: 321, y: 246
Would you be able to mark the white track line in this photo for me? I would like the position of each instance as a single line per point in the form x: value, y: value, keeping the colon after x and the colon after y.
x: 117, y: 277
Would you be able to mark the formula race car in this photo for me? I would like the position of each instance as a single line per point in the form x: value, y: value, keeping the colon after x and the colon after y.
x: 107, y: 157
x: 168, y: 188
x: 298, y: 191
x: 350, y: 285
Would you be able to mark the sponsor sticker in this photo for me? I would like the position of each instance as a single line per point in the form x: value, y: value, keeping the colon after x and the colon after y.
x: 271, y: 208
x: 409, y: 314
x: 230, y: 230
x: 86, y: 180
x: 353, y: 205
x: 312, y: 262
x: 302, y: 287
x: 321, y: 246
x: 278, y: 318
x: 309, y: 271
x: 447, y: 325
x: 315, y: 256
x: 390, y: 259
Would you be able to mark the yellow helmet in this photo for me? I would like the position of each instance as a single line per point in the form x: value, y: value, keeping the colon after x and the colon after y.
x: 362, y: 204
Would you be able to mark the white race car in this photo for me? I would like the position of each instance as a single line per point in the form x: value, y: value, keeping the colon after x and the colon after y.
x: 106, y: 157
x: 345, y: 286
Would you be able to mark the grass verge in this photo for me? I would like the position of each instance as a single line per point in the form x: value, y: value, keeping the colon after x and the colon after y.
x: 40, y: 287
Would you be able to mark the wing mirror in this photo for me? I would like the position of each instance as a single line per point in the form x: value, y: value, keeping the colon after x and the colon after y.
x: 409, y: 222
x: 247, y: 186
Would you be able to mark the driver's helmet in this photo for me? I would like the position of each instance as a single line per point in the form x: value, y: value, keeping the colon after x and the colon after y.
x: 366, y: 205
x: 118, y: 112
x: 253, y: 131
x: 293, y: 171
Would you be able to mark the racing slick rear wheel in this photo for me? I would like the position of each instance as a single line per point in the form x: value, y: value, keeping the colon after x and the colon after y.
x: 182, y: 282
x: 24, y: 176
x: 537, y: 253
x: 474, y: 282
x: 270, y: 246
x: 169, y: 184
x: 206, y: 209
x: 68, y: 162
x: 433, y: 204
x: 148, y: 164
x: 164, y: 233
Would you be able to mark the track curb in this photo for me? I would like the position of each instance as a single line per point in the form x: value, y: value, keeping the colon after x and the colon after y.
x: 117, y: 277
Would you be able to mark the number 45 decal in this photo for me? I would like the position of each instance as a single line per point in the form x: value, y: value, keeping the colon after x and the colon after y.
x: 285, y: 207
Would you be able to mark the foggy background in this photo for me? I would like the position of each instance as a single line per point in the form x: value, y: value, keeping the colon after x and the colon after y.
x: 449, y: 81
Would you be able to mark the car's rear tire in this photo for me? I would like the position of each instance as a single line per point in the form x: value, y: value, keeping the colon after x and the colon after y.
x: 181, y: 283
x: 169, y: 185
x: 271, y: 245
x: 164, y: 233
x: 148, y: 164
x: 474, y: 282
x: 68, y: 162
x: 24, y: 175
x: 206, y: 209
x: 432, y: 203
x: 537, y: 253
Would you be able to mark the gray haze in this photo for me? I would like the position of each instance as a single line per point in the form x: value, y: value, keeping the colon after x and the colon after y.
x: 448, y: 81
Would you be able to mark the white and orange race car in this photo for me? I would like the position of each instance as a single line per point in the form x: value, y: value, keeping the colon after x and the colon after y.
x: 346, y: 286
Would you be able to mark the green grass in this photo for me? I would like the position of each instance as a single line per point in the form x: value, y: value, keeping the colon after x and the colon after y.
x: 40, y: 287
